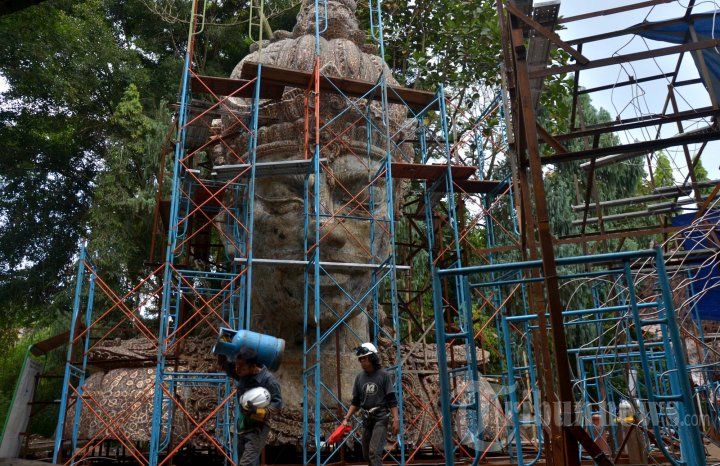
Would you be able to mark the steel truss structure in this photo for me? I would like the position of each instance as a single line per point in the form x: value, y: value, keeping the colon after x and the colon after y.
x: 623, y: 302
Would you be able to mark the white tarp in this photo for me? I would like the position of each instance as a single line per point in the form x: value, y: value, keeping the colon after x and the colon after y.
x: 19, y: 414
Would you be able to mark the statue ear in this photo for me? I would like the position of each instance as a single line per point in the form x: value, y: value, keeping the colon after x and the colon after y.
x: 330, y: 69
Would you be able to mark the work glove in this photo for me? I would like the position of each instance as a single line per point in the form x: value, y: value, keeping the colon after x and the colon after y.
x: 259, y: 414
x: 249, y: 408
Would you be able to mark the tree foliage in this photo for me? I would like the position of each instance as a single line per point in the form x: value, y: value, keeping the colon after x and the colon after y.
x: 446, y: 41
x: 82, y: 121
x: 663, y: 173
x: 66, y: 68
x: 121, y: 217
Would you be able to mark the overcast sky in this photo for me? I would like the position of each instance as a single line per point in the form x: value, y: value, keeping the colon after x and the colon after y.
x: 631, y: 101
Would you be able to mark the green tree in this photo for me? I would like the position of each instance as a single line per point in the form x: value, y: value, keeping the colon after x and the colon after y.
x: 447, y: 41
x: 66, y: 70
x: 701, y: 173
x: 663, y: 173
x: 120, y: 219
x: 67, y: 66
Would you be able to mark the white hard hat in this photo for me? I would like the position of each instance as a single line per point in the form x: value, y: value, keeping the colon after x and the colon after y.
x: 259, y: 397
x: 365, y: 349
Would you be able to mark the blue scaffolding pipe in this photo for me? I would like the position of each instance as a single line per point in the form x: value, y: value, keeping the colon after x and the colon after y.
x: 662, y: 362
x: 463, y: 317
x: 84, y: 368
x: 692, y: 451
x: 385, y: 274
x: 583, y: 312
x: 573, y: 260
x: 68, y: 359
x: 600, y: 273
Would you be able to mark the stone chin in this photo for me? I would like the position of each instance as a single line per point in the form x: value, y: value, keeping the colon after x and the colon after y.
x: 278, y: 308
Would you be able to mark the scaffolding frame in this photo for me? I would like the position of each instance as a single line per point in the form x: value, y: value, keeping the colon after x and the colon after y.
x: 459, y: 188
x: 193, y: 295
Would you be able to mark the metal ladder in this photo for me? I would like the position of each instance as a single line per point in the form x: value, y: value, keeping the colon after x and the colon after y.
x: 451, y: 393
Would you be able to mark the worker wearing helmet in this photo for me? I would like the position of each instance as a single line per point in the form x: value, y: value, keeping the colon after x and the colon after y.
x: 259, y: 398
x: 374, y: 395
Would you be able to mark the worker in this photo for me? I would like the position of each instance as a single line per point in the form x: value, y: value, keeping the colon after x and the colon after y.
x: 254, y: 423
x: 374, y: 395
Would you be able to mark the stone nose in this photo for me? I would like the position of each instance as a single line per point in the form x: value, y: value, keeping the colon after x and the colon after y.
x: 333, y: 234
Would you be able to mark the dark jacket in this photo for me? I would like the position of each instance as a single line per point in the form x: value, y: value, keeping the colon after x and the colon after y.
x: 264, y: 379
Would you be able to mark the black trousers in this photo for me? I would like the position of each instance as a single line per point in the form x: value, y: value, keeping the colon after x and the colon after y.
x: 374, y: 438
x: 250, y: 445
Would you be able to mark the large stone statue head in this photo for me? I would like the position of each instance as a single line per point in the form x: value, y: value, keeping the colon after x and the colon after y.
x: 353, y: 146
x: 352, y: 156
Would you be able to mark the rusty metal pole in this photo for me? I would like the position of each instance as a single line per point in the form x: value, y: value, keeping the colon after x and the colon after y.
x: 562, y: 367
x: 553, y: 456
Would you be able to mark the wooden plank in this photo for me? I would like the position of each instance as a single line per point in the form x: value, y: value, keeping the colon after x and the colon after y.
x: 49, y: 344
x: 227, y: 86
x: 420, y: 171
x: 273, y: 75
x: 476, y: 186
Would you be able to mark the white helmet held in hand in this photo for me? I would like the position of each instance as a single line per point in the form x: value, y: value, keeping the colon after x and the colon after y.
x: 259, y: 397
x: 365, y: 349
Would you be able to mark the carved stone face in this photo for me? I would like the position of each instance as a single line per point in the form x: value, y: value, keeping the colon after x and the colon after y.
x: 351, y: 189
x: 349, y: 195
x: 278, y: 290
